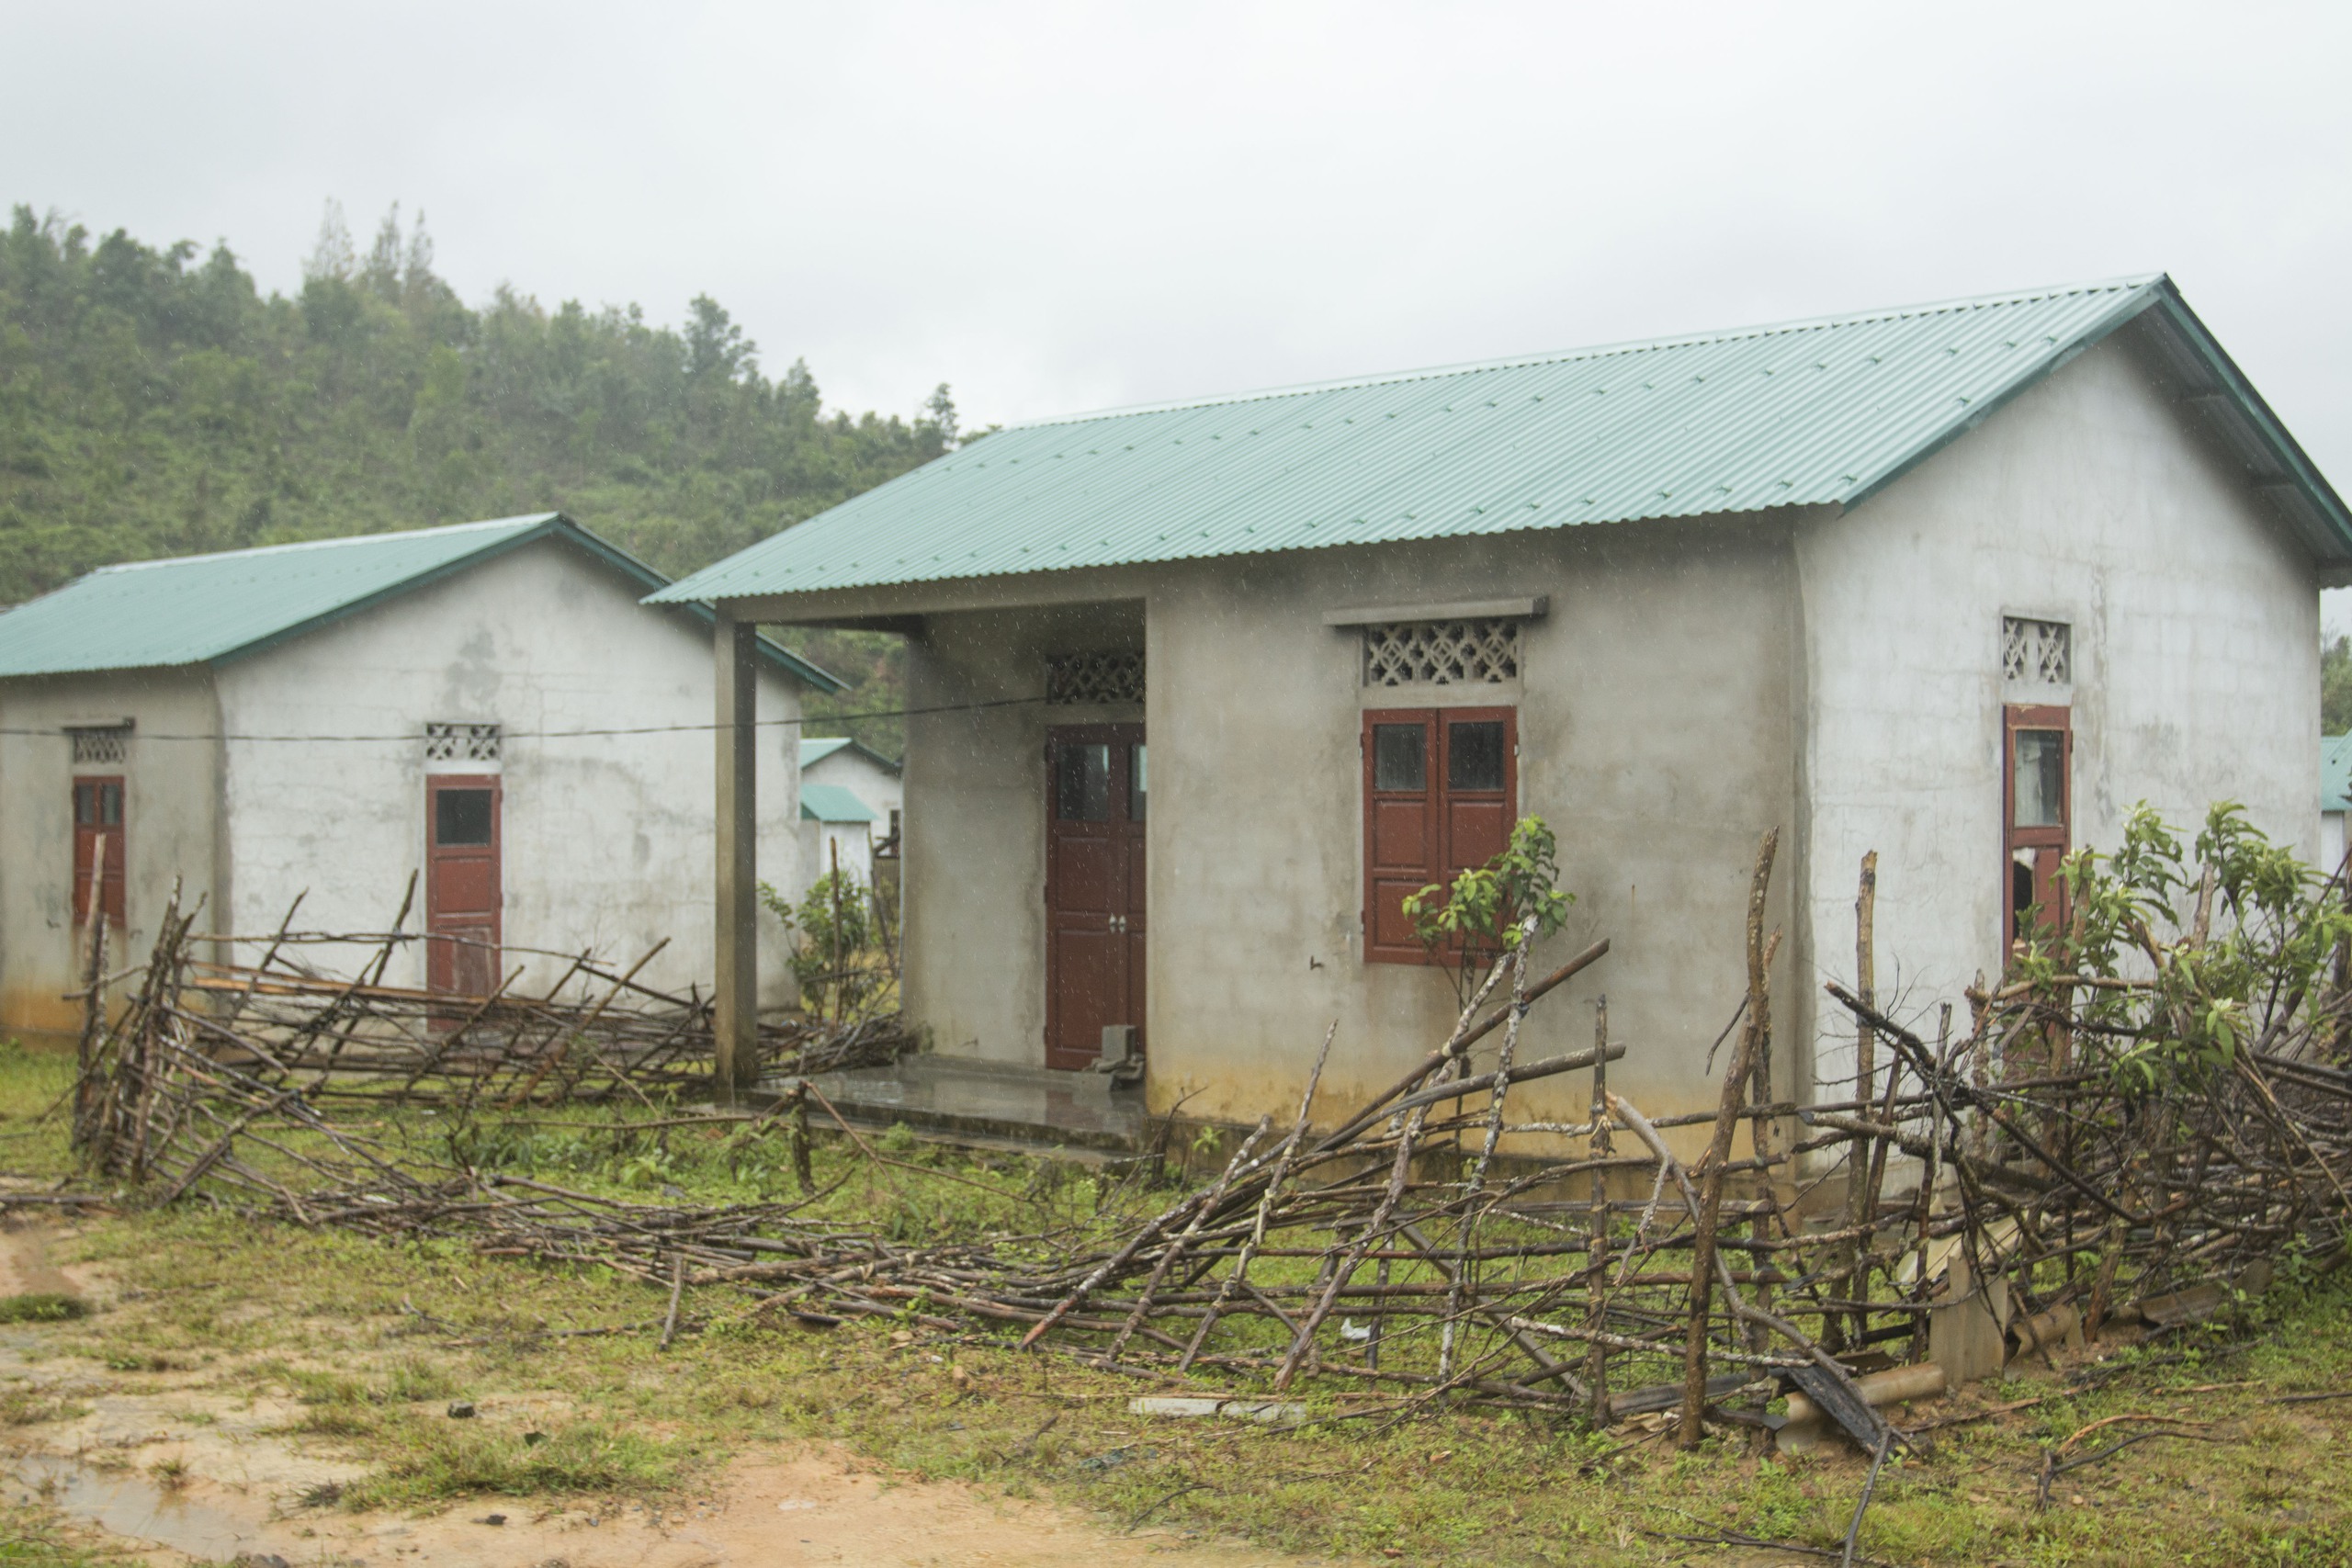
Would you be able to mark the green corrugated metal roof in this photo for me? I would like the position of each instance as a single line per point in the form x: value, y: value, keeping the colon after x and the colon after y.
x: 816, y: 749
x: 202, y: 609
x: 2336, y: 772
x: 831, y: 803
x: 1800, y: 414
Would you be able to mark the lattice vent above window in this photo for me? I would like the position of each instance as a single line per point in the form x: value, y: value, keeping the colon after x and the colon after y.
x: 2036, y: 650
x: 1440, y: 653
x: 100, y: 747
x: 1094, y: 678
x: 461, y: 742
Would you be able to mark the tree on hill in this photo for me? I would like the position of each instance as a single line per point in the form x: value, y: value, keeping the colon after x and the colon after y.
x: 155, y: 403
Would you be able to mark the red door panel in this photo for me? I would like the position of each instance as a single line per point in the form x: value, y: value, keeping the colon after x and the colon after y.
x: 1096, y: 782
x: 1480, y: 748
x: 1401, y: 826
x: 463, y: 893
x: 98, y: 814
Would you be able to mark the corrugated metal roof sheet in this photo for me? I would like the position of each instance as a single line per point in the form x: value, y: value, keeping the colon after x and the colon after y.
x: 815, y: 751
x: 1802, y: 413
x: 198, y: 609
x: 831, y: 803
x: 2335, y: 774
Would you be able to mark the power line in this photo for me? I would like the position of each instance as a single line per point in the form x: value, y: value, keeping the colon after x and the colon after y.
x: 505, y: 734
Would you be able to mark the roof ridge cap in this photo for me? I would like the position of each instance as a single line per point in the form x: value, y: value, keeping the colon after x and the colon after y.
x: 1604, y: 350
x: 292, y: 546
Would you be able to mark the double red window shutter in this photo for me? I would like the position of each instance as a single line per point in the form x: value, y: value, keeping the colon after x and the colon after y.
x: 1441, y: 790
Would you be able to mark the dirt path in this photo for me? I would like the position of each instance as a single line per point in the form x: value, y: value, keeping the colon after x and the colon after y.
x: 187, y: 1475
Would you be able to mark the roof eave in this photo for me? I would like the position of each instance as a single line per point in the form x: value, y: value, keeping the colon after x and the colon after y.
x: 2328, y: 531
x: 554, y: 524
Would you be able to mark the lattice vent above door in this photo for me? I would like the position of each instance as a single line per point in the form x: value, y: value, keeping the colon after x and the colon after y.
x: 2036, y: 650
x: 1094, y: 678
x: 461, y: 742
x: 100, y: 746
x: 1440, y: 653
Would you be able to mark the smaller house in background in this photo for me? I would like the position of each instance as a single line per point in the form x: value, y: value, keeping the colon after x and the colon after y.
x: 850, y: 800
x: 864, y: 772
x: 486, y: 707
x: 2335, y: 798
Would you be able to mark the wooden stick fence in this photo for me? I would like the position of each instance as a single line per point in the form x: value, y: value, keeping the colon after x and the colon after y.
x: 1428, y: 1243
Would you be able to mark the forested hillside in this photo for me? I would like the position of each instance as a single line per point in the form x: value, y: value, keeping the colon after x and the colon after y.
x: 154, y: 402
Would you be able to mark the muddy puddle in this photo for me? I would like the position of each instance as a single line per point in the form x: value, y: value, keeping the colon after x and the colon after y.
x: 181, y: 1468
x: 129, y: 1506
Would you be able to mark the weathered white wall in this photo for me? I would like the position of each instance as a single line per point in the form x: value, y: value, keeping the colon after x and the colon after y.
x: 171, y: 794
x: 820, y: 842
x: 2196, y: 651
x: 608, y: 840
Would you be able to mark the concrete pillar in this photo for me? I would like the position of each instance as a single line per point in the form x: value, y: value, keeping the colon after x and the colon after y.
x: 737, y: 998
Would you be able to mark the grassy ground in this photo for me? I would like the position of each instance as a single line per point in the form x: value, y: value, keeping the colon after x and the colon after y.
x: 373, y: 1340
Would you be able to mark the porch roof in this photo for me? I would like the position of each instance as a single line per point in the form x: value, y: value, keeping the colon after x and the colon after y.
x: 832, y: 803
x: 1805, y: 413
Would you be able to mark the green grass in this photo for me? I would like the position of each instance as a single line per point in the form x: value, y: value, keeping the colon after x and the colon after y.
x: 42, y: 1306
x: 435, y: 1459
x: 35, y: 1536
x: 333, y: 1321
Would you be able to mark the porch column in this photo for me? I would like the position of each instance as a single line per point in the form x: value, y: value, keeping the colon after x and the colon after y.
x: 735, y: 1014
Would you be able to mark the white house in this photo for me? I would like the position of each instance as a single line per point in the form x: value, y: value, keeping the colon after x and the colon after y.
x: 866, y: 773
x: 850, y: 800
x: 486, y: 706
x: 2335, y: 798
x: 1198, y: 692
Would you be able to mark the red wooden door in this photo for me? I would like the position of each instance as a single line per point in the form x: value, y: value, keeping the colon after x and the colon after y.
x: 98, y: 814
x: 462, y: 882
x: 1097, y: 787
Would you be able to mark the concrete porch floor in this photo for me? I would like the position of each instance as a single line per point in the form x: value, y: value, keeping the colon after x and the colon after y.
x: 962, y: 1098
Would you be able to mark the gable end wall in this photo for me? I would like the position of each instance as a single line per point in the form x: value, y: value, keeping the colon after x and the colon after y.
x: 2089, y: 499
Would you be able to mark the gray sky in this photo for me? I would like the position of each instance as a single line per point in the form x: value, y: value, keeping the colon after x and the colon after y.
x: 1058, y: 208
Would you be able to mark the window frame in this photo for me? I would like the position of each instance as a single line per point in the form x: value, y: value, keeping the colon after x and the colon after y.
x: 2017, y: 717
x: 1436, y: 795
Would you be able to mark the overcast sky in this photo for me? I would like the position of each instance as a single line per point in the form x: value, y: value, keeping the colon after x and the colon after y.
x: 1062, y: 208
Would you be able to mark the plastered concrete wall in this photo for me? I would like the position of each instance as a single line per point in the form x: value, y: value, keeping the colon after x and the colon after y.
x: 1655, y: 712
x: 975, y: 851
x: 608, y: 840
x: 2196, y: 652
x: 171, y: 799
x: 1655, y: 719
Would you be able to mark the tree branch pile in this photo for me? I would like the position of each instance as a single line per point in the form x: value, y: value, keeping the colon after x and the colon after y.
x: 2147, y: 1106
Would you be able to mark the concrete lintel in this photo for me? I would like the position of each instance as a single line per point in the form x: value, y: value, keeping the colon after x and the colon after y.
x: 837, y: 606
x: 1448, y: 610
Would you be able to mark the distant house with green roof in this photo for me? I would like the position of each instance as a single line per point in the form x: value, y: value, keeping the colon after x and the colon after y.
x: 2335, y: 798
x: 486, y: 707
x: 851, y: 801
x: 1199, y: 693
